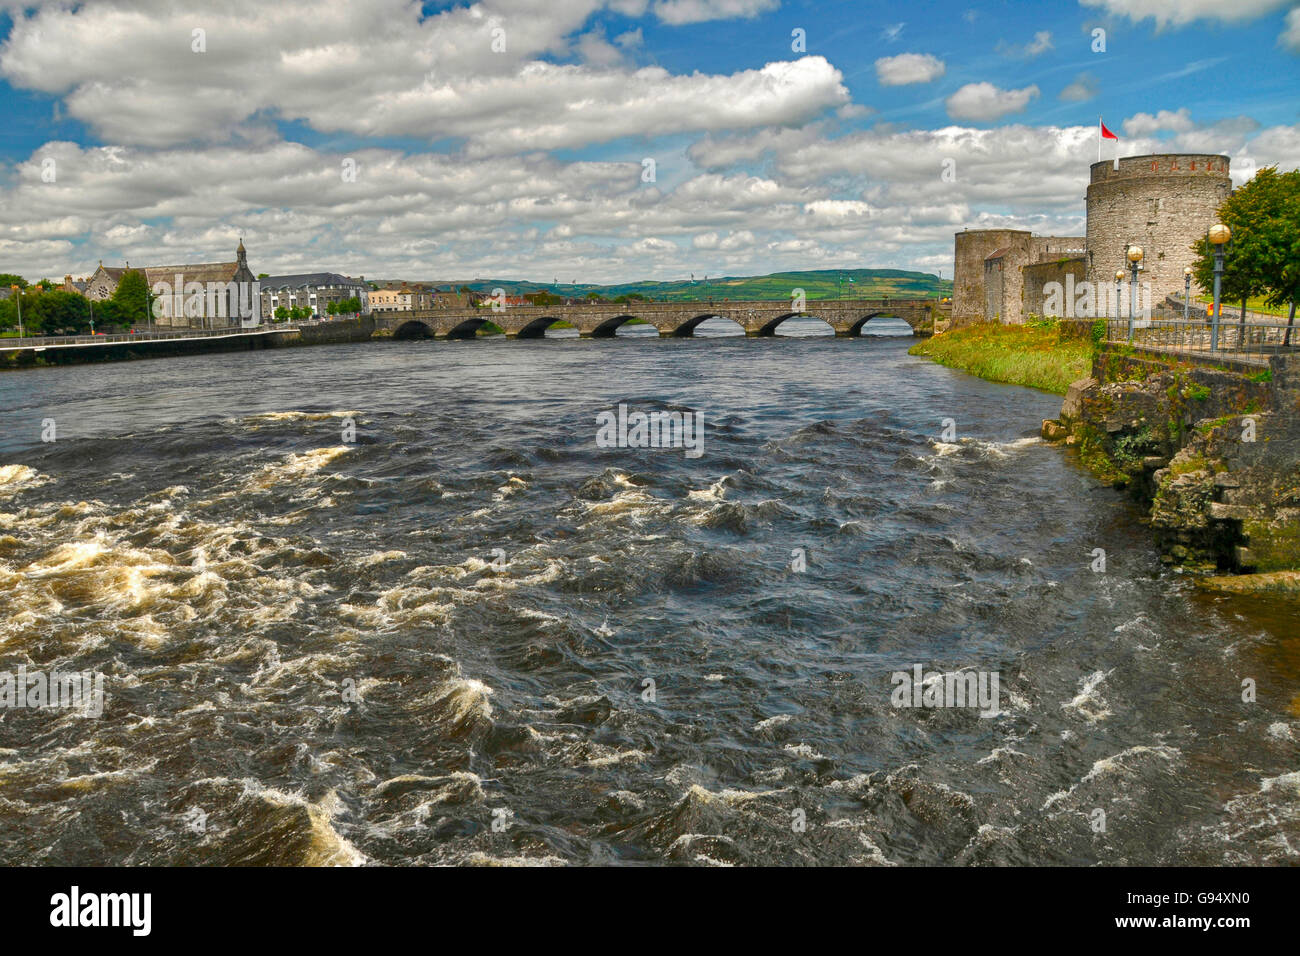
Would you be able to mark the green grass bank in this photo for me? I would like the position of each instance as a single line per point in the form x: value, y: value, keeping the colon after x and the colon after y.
x: 1036, y: 354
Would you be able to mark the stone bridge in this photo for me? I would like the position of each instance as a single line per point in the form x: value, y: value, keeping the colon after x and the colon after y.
x: 672, y: 319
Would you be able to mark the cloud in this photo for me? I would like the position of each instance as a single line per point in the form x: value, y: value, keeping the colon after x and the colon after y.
x: 677, y: 12
x: 892, y: 32
x: 1181, y: 12
x: 381, y: 68
x: 1290, y: 37
x: 1040, y: 44
x: 1144, y: 124
x: 1083, y: 87
x: 908, y: 68
x: 984, y: 102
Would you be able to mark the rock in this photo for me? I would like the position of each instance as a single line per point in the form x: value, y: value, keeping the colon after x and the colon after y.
x: 1072, y: 407
x: 1287, y: 582
x: 1054, y: 430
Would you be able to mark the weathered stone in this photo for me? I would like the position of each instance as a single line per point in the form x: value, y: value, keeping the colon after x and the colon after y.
x: 1214, y: 453
x: 1054, y: 430
x: 1072, y: 407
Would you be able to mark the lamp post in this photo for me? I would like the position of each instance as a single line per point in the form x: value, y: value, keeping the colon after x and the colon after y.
x: 1187, y: 290
x: 1219, y: 234
x: 18, y: 301
x: 1134, y: 257
x: 1119, y: 281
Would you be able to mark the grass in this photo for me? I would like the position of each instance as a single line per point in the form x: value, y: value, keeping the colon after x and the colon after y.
x: 1033, y: 354
x: 1253, y: 304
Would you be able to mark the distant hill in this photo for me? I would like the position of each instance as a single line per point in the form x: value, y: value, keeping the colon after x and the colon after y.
x: 818, y: 284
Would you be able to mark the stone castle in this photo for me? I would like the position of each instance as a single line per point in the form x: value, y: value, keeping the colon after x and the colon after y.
x: 1163, y: 203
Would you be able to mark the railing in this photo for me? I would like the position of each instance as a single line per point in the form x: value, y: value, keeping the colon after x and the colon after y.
x: 1234, y: 337
x: 43, y: 341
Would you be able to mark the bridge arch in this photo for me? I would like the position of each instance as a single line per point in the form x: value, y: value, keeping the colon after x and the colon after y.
x: 687, y: 329
x: 466, y: 329
x: 770, y: 327
x: 608, y: 328
x: 414, y: 329
x: 536, y: 328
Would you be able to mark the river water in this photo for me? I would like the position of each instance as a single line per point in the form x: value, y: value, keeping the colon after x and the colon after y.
x: 471, y: 635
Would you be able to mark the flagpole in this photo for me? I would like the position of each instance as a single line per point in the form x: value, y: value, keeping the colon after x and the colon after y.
x: 1099, y: 139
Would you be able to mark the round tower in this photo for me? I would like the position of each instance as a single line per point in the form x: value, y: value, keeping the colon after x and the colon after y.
x: 970, y: 249
x: 1163, y: 203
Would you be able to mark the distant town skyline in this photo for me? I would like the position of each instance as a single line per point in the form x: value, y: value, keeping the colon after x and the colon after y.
x: 604, y: 142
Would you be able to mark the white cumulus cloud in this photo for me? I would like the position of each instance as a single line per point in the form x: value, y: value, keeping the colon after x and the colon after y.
x: 984, y: 102
x: 908, y: 68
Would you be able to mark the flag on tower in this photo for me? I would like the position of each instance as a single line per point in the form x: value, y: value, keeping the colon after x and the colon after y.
x: 1104, y: 133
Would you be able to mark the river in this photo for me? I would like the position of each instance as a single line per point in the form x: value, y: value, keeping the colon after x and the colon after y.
x: 471, y: 635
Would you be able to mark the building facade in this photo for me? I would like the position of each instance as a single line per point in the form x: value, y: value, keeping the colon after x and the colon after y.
x: 312, y: 290
x: 1163, y: 203
x: 400, y: 298
x: 191, y: 295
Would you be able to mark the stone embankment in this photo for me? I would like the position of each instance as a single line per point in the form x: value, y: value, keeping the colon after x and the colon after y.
x: 1212, y: 450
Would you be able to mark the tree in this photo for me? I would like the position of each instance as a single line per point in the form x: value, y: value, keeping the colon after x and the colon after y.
x: 61, y: 313
x: 132, y: 298
x: 8, y: 279
x: 1264, y: 254
x: 350, y: 304
x: 332, y: 308
x: 281, y: 313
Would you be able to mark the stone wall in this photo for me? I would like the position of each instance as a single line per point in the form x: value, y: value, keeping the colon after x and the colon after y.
x: 971, y: 248
x: 1067, y: 272
x: 1212, y: 452
x: 1163, y: 203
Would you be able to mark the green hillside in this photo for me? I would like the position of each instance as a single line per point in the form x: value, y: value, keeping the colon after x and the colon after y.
x: 820, y: 284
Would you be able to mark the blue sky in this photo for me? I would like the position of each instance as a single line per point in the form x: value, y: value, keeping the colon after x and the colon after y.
x: 123, y: 140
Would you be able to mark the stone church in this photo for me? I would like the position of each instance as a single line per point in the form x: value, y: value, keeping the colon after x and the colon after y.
x: 193, y: 295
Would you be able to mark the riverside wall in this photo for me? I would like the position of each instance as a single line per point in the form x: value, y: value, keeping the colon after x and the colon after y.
x: 1212, y: 451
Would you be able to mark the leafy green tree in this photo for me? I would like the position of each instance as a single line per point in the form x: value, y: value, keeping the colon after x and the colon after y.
x: 1264, y: 254
x: 22, y: 304
x: 350, y: 304
x: 111, y: 315
x: 8, y: 279
x: 332, y: 309
x: 133, y: 299
x: 57, y: 312
x: 281, y: 313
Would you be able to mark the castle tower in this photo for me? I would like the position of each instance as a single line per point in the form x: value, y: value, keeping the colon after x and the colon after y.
x: 973, y: 300
x: 1163, y: 203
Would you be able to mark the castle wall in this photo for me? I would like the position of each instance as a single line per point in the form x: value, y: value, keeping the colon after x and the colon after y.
x: 1163, y: 203
x: 1069, y: 273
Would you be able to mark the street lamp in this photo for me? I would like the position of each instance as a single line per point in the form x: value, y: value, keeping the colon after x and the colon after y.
x: 1134, y: 257
x: 1119, y: 281
x: 18, y: 301
x: 1187, y: 290
x: 1219, y: 235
